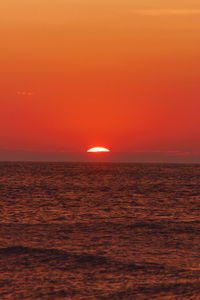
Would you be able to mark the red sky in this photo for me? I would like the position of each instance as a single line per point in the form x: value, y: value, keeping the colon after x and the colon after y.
x: 80, y: 73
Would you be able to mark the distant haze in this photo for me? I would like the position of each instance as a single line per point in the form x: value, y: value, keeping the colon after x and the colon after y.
x: 168, y: 157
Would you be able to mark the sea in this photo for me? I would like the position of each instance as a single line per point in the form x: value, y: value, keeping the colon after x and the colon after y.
x: 99, y: 231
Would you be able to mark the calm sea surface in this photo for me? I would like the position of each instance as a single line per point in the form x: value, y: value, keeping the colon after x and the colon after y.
x: 99, y: 231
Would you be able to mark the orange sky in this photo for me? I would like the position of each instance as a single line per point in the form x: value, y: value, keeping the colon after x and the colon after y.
x: 81, y: 73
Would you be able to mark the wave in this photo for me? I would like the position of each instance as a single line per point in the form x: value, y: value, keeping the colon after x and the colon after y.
x: 61, y: 259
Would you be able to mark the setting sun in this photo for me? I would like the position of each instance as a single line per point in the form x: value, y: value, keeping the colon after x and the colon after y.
x: 98, y: 149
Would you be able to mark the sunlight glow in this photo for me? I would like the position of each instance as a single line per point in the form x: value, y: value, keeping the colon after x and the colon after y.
x: 98, y: 149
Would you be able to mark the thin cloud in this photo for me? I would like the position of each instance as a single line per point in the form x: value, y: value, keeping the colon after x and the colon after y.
x: 25, y: 93
x: 171, y: 152
x: 167, y: 12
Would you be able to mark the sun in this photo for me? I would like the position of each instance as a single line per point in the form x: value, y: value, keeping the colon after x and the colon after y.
x: 98, y: 149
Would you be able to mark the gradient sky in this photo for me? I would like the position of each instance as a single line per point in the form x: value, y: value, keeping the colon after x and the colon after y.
x: 118, y: 73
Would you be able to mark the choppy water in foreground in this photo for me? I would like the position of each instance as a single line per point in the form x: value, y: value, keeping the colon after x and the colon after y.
x: 99, y: 231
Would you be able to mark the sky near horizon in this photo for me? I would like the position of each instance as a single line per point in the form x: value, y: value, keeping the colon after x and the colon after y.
x: 82, y: 73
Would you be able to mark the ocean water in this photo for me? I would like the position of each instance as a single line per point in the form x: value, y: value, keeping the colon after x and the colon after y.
x: 99, y: 231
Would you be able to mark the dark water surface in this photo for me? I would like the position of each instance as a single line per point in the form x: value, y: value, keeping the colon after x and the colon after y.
x: 99, y: 231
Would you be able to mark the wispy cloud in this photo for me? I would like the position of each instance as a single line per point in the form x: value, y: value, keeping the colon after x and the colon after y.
x: 171, y: 152
x: 25, y: 93
x: 167, y: 12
